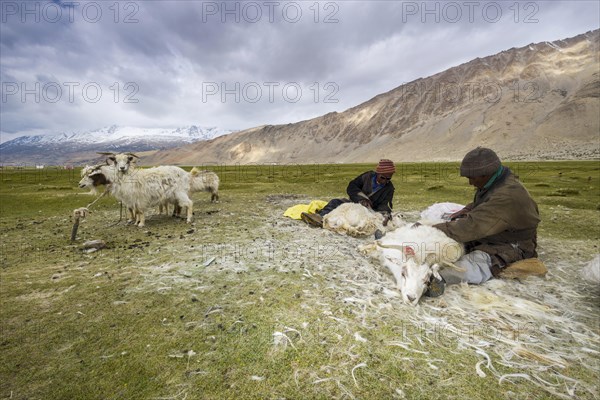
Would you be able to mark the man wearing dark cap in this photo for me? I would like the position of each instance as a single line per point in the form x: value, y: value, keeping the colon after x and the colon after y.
x: 372, y: 189
x: 498, y: 228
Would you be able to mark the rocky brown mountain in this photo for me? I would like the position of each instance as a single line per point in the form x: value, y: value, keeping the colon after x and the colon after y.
x: 541, y: 101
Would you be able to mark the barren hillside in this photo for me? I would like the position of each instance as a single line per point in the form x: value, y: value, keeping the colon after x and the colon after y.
x: 541, y: 101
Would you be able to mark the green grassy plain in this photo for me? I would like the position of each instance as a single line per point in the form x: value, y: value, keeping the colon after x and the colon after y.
x: 145, y: 318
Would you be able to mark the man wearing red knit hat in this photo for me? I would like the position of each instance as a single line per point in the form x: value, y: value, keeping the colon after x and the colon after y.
x: 372, y: 189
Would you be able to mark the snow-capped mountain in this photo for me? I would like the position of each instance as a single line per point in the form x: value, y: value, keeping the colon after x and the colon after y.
x: 72, y: 147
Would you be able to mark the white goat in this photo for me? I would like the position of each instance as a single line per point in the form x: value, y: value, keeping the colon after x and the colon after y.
x: 87, y: 182
x: 439, y: 212
x: 357, y: 220
x: 414, y: 254
x: 94, y: 176
x: 140, y: 189
x: 200, y: 181
x: 591, y: 271
x: 205, y: 181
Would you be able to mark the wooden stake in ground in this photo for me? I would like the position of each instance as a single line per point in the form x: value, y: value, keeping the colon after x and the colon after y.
x: 82, y: 213
x: 77, y: 215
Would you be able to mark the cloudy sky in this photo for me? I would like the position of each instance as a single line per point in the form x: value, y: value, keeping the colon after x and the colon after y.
x: 80, y: 65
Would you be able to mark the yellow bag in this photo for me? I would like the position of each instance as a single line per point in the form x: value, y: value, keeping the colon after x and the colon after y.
x: 294, y: 212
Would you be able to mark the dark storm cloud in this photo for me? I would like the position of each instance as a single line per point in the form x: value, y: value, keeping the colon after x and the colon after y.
x: 173, y: 63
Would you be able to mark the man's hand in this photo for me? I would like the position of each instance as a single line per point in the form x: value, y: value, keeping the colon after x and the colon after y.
x: 386, y: 218
x: 460, y: 214
x: 366, y: 203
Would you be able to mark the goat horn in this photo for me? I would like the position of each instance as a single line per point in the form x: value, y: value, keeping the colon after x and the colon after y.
x: 389, y: 246
x: 131, y: 154
x: 396, y: 247
x: 455, y: 267
x: 105, y: 153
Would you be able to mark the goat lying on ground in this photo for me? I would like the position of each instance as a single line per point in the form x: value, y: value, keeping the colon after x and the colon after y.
x: 413, y: 255
x: 356, y: 220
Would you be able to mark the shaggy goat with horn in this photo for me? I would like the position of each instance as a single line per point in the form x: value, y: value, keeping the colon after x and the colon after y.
x: 140, y: 189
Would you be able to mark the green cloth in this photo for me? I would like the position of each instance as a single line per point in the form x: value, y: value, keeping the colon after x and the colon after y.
x: 494, y: 177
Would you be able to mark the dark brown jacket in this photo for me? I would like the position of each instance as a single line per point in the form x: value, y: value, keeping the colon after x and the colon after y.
x: 502, y: 222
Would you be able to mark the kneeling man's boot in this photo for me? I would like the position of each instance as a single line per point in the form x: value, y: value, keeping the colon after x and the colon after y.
x: 312, y: 219
x: 436, y: 287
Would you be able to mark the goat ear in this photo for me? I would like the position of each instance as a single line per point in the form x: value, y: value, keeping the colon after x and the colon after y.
x: 111, y: 161
x: 435, y: 269
x: 408, y: 251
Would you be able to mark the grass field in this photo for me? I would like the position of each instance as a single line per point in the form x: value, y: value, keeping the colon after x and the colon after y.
x: 284, y: 310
